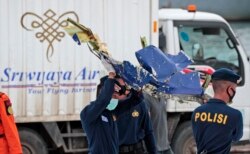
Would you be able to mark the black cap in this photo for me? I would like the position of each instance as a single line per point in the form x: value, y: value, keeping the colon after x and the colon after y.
x: 225, y: 74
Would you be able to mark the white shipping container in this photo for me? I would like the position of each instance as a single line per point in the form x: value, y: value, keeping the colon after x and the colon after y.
x: 46, y: 74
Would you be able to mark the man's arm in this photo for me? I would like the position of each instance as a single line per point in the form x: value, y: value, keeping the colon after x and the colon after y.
x: 95, y: 109
x: 238, y: 132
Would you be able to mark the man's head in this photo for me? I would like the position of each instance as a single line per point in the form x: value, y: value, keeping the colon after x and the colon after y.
x: 224, y: 84
x: 120, y: 89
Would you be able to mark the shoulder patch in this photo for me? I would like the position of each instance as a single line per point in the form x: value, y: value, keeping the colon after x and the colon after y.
x: 9, y: 110
x: 135, y: 114
x: 7, y: 103
x: 8, y: 106
x: 105, y: 119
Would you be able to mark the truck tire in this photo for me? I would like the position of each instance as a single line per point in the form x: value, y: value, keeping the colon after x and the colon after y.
x: 32, y: 142
x: 183, y: 141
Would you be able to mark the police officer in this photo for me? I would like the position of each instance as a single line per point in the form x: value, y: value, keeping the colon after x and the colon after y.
x: 134, y: 127
x: 9, y: 138
x: 99, y: 117
x: 215, y: 124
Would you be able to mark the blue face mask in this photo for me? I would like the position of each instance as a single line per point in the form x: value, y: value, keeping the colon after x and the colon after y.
x: 112, y: 104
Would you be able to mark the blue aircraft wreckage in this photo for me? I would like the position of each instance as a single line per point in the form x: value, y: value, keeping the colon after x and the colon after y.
x: 158, y: 73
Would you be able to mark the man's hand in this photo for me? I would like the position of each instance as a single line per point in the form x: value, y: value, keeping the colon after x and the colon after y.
x: 111, y: 75
x: 107, y: 65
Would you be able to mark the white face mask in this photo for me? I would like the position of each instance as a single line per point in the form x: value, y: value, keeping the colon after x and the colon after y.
x: 112, y: 104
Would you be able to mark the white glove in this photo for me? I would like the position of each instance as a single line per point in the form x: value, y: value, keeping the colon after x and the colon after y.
x: 107, y: 65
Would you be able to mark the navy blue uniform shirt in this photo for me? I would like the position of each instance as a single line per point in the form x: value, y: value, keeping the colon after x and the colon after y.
x: 100, y: 124
x: 134, y: 125
x: 215, y: 126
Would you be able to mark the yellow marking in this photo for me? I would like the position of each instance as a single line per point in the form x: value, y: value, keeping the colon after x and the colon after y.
x: 197, y: 115
x: 208, y: 118
x: 203, y: 116
x: 215, y: 116
x: 135, y: 113
x: 225, y: 120
x: 10, y: 110
x: 218, y: 118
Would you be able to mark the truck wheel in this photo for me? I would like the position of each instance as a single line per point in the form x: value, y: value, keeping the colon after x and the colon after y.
x: 183, y: 141
x: 32, y: 142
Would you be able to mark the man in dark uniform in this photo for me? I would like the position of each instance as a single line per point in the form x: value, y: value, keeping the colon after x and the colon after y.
x: 134, y: 127
x: 158, y: 115
x: 215, y: 124
x: 99, y: 117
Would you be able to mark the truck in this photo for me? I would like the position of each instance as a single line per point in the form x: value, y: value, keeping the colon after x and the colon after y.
x: 209, y: 40
x: 50, y: 79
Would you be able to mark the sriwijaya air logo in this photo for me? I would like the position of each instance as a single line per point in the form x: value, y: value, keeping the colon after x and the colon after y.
x: 47, y: 27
